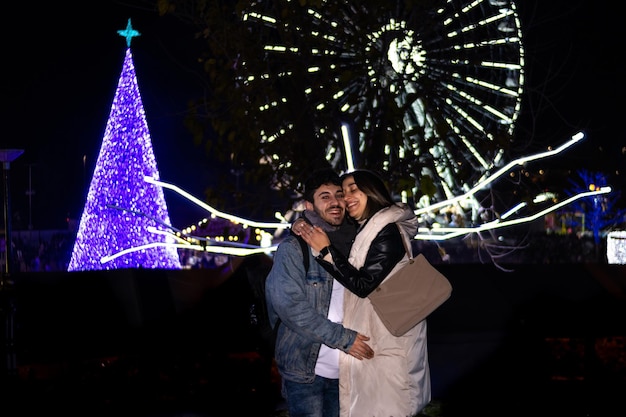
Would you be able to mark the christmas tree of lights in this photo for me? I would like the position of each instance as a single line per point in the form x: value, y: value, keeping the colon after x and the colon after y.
x: 125, y: 219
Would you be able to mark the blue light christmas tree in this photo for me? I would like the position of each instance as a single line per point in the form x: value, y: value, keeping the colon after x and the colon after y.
x: 125, y: 219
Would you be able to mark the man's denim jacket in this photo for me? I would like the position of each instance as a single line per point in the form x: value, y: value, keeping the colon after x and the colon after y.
x: 302, y: 302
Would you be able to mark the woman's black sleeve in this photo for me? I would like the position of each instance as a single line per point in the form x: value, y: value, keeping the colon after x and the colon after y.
x: 384, y: 253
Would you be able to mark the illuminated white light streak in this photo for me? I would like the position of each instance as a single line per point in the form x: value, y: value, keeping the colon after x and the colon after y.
x: 451, y: 232
x: 217, y: 213
x: 345, y: 134
x: 503, y: 65
x: 225, y: 250
x: 213, y: 242
x: 464, y: 114
x: 520, y: 161
x: 543, y: 197
x: 504, y: 118
x: 423, y: 233
x: 492, y: 86
x: 513, y: 210
x: 275, y: 48
x: 477, y: 156
x: 167, y: 233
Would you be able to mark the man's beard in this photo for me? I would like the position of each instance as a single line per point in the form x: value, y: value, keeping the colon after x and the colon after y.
x: 315, y: 219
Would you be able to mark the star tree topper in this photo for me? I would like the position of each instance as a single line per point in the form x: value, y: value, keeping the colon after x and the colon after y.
x: 129, y: 33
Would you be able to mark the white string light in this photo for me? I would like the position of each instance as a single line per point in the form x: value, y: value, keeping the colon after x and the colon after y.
x: 438, y: 234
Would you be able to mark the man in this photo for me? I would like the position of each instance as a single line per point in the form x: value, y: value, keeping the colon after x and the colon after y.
x: 310, y: 307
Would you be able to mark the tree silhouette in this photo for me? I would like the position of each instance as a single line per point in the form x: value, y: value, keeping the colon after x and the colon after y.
x: 430, y: 100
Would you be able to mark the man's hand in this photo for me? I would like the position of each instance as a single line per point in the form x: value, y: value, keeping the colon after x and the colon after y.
x: 360, y: 349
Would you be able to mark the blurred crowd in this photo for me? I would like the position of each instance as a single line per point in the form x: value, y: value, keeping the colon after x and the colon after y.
x: 52, y: 252
x: 45, y: 253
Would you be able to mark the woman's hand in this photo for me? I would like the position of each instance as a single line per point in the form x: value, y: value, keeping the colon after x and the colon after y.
x: 314, y: 236
x: 299, y: 225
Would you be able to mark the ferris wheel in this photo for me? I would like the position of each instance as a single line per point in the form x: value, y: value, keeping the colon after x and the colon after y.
x: 427, y: 90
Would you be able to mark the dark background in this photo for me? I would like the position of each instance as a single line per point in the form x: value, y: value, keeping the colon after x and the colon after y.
x: 141, y: 338
x: 543, y: 340
x: 62, y: 63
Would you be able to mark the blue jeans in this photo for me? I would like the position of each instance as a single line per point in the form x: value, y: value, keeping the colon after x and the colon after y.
x: 318, y: 399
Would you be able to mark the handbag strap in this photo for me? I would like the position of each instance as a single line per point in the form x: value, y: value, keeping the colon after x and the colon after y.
x: 408, y: 250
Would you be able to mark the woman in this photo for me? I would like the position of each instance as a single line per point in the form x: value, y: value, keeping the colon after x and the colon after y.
x: 396, y: 381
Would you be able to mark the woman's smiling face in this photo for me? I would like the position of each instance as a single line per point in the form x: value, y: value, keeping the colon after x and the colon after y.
x: 355, y: 199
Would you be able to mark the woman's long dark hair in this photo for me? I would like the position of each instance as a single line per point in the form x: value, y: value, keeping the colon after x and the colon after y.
x: 372, y: 185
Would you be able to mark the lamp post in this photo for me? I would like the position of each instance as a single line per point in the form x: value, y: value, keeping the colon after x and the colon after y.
x: 30, y: 193
x: 6, y: 157
x: 7, y: 306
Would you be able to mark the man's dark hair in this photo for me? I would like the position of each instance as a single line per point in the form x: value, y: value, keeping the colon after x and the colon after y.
x: 318, y: 178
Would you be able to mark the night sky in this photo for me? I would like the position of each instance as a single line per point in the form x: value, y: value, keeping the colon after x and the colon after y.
x: 62, y: 64
x: 64, y: 74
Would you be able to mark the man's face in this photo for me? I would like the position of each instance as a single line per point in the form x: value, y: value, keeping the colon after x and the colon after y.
x: 329, y: 204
